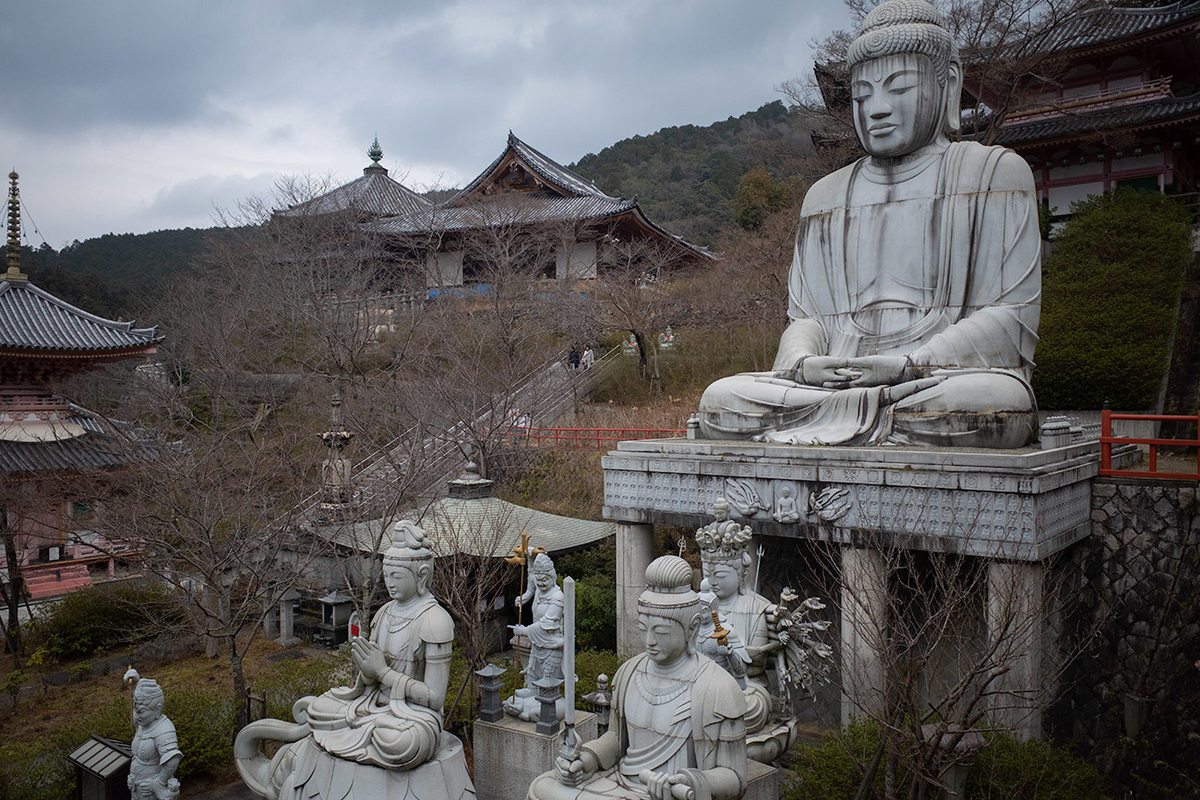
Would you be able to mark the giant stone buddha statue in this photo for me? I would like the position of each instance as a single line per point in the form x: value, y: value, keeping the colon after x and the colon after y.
x: 914, y: 292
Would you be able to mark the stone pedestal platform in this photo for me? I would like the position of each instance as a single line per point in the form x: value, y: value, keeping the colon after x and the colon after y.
x: 509, y: 754
x: 1013, y: 508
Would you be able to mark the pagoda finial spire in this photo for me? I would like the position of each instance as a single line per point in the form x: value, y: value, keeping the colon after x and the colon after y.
x: 14, y: 231
x: 375, y: 152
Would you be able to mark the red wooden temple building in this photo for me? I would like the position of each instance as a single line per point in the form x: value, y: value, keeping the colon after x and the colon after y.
x: 51, y: 450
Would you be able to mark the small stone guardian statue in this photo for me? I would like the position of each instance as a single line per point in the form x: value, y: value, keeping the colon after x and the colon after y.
x: 155, y: 747
x: 545, y: 636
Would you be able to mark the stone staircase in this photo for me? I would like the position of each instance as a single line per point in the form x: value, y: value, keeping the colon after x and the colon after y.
x: 50, y: 580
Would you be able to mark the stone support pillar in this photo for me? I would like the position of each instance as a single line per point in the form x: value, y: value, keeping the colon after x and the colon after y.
x: 635, y: 549
x: 1016, y: 618
x: 864, y: 623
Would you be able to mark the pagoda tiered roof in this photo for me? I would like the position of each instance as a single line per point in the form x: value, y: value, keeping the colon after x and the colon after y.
x: 33, y: 322
x: 1047, y: 130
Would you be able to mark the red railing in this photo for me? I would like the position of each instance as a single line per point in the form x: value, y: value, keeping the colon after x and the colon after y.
x: 585, y: 437
x: 1107, y: 440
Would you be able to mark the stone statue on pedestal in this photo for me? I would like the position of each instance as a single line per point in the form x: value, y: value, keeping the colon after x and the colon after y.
x: 725, y: 561
x: 545, y: 636
x: 382, y: 736
x: 915, y: 289
x: 677, y: 729
x: 155, y: 746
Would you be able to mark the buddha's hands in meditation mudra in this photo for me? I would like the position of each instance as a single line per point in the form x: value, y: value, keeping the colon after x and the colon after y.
x: 834, y: 372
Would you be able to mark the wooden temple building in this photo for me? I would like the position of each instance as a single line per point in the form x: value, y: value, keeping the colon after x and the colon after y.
x: 1123, y: 109
x: 564, y: 224
x: 53, y: 453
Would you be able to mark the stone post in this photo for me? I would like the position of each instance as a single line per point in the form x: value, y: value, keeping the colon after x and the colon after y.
x: 1016, y: 615
x: 864, y: 620
x: 548, y: 697
x: 287, y: 620
x: 635, y: 550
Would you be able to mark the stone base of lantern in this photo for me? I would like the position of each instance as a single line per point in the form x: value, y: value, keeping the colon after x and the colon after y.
x: 510, y: 753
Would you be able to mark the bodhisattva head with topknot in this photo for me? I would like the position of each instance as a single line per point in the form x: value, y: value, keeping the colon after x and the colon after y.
x: 668, y: 610
x: 905, y: 79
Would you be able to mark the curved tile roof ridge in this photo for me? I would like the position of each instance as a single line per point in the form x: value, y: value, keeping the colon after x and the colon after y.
x: 1134, y: 115
x: 547, y: 168
x: 1106, y: 23
x: 374, y: 191
x: 33, y: 319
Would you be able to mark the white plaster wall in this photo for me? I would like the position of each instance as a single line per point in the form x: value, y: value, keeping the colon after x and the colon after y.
x: 1061, y: 197
x: 444, y: 269
x: 575, y: 262
x: 1137, y: 162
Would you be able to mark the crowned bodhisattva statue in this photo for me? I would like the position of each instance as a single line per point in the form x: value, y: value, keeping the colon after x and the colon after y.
x: 914, y: 292
x: 382, y: 736
x: 677, y: 726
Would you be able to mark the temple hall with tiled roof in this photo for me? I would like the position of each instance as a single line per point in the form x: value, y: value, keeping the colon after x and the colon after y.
x: 1125, y: 110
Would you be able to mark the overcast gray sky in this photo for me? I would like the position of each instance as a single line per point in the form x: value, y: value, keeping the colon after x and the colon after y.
x: 137, y: 115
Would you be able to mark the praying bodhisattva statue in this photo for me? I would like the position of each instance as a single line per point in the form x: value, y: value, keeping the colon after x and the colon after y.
x: 677, y: 718
x: 381, y: 737
x: 914, y: 293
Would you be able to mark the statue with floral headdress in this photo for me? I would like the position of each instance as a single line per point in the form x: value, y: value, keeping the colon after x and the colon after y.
x: 750, y: 633
x: 382, y: 736
x: 155, y: 747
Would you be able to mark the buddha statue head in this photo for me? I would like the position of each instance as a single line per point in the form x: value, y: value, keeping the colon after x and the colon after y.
x: 905, y: 79
x: 723, y: 554
x: 668, y: 610
x: 148, y: 702
x: 408, y: 563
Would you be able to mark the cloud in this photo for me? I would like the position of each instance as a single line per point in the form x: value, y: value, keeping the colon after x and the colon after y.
x: 133, y: 110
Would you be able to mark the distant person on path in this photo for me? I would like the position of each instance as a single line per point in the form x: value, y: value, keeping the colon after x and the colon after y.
x: 589, y: 357
x: 573, y: 359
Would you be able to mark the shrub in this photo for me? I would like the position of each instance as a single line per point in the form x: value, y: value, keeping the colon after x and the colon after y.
x: 1110, y: 289
x: 1034, y: 769
x: 1006, y: 768
x: 834, y: 768
x: 95, y: 619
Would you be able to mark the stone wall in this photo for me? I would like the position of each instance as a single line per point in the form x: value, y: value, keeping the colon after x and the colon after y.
x: 1137, y: 583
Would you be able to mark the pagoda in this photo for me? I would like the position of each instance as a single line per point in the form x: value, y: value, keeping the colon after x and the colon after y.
x: 47, y: 444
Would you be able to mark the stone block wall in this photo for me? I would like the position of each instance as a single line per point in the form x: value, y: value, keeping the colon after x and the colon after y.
x: 1136, y: 581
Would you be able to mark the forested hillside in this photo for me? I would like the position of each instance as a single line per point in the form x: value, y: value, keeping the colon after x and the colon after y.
x: 113, y: 275
x: 686, y: 177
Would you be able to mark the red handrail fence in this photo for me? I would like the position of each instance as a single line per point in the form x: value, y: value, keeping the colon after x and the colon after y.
x: 1107, y: 440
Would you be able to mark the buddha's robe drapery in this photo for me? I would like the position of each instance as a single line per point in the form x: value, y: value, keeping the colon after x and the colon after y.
x: 936, y: 257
